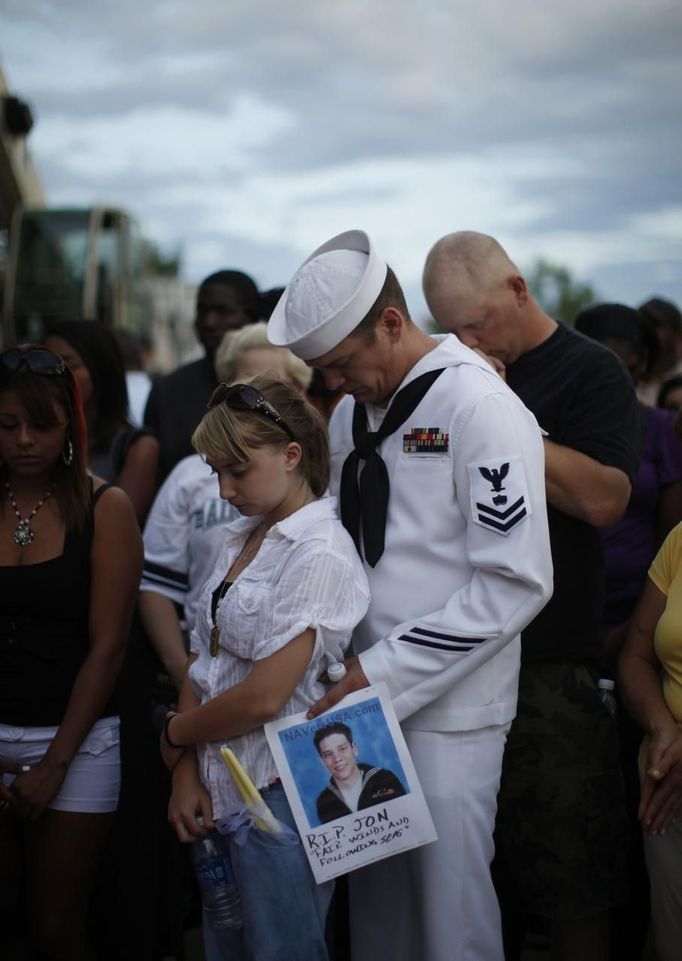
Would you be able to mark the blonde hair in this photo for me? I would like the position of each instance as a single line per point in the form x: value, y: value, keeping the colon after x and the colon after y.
x: 227, y: 434
x: 254, y: 337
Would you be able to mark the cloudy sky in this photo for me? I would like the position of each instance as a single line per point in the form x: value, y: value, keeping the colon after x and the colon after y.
x: 246, y: 132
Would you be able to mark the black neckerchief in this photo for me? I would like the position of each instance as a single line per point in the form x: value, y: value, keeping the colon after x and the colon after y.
x: 365, y: 505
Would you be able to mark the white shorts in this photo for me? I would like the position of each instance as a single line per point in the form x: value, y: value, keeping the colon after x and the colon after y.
x: 93, y: 780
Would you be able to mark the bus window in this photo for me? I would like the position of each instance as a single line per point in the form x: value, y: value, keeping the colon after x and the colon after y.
x: 70, y: 263
x: 51, y: 265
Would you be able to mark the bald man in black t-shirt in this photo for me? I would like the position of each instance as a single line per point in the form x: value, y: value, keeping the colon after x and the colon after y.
x: 561, y: 831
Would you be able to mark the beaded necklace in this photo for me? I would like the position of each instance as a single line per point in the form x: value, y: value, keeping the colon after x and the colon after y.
x: 24, y: 533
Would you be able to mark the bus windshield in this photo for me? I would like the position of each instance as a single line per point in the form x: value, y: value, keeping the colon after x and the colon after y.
x: 51, y: 269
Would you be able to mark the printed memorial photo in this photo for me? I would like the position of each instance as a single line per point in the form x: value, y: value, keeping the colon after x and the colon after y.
x: 351, y: 783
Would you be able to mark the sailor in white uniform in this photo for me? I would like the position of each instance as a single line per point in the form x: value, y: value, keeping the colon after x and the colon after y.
x: 440, y: 473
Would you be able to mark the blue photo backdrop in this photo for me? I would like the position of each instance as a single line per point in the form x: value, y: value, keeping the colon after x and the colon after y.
x: 370, y: 733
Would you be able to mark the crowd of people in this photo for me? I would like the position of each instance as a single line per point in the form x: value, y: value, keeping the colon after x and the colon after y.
x: 486, y: 521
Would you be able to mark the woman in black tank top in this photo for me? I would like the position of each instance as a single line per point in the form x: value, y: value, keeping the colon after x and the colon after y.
x: 70, y: 560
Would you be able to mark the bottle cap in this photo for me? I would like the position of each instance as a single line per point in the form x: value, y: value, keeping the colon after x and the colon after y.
x: 606, y: 684
x: 336, y: 671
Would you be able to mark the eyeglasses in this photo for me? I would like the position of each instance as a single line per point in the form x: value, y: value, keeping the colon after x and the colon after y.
x: 246, y: 397
x: 39, y: 360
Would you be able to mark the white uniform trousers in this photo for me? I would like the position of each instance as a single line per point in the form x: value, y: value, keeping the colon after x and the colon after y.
x: 437, y: 902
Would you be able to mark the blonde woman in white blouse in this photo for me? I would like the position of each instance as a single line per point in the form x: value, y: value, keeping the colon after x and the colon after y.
x: 286, y: 594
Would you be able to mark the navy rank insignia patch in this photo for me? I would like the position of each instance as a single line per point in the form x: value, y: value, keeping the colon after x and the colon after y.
x: 499, y: 499
x: 426, y: 440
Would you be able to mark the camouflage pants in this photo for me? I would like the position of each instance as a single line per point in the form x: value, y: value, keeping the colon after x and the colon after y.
x: 562, y: 826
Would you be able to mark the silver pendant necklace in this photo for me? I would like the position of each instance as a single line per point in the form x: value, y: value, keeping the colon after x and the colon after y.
x: 24, y: 534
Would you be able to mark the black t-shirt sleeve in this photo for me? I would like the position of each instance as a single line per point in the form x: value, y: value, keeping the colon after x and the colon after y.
x: 603, y: 417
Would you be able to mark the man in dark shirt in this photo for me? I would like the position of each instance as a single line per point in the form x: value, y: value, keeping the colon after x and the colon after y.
x: 352, y: 786
x: 226, y: 300
x: 561, y: 828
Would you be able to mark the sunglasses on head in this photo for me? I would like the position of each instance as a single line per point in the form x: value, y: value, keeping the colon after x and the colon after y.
x: 246, y: 397
x: 39, y: 360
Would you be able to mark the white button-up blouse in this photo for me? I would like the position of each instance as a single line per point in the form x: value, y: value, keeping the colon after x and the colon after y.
x: 306, y: 574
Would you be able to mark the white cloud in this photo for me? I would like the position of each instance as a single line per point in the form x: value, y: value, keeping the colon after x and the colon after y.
x: 165, y: 140
x: 652, y: 238
x: 664, y: 225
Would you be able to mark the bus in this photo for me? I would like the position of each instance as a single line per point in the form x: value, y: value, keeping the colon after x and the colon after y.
x: 73, y: 263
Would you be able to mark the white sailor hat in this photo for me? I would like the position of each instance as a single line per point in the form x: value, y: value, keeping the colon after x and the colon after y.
x: 328, y: 296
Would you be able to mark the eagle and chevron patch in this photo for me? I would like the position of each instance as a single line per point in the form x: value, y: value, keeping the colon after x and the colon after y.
x: 499, y: 497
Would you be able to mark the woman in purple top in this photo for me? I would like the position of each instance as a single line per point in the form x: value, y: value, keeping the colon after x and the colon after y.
x: 656, y: 502
x: 655, y: 507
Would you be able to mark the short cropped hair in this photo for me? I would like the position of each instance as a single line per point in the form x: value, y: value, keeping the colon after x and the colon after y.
x: 474, y: 262
x: 390, y: 295
x: 243, y: 286
x: 335, y: 727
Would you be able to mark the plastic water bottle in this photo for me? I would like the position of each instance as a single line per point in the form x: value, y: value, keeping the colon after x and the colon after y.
x: 606, y: 688
x: 336, y: 672
x: 219, y: 893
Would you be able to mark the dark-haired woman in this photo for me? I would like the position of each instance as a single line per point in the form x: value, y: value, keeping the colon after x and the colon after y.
x: 654, y: 509
x: 670, y: 394
x: 118, y: 452
x: 70, y: 559
x: 287, y: 591
x: 656, y: 503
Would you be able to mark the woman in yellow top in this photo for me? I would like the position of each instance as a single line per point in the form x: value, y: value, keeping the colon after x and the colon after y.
x: 650, y: 673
